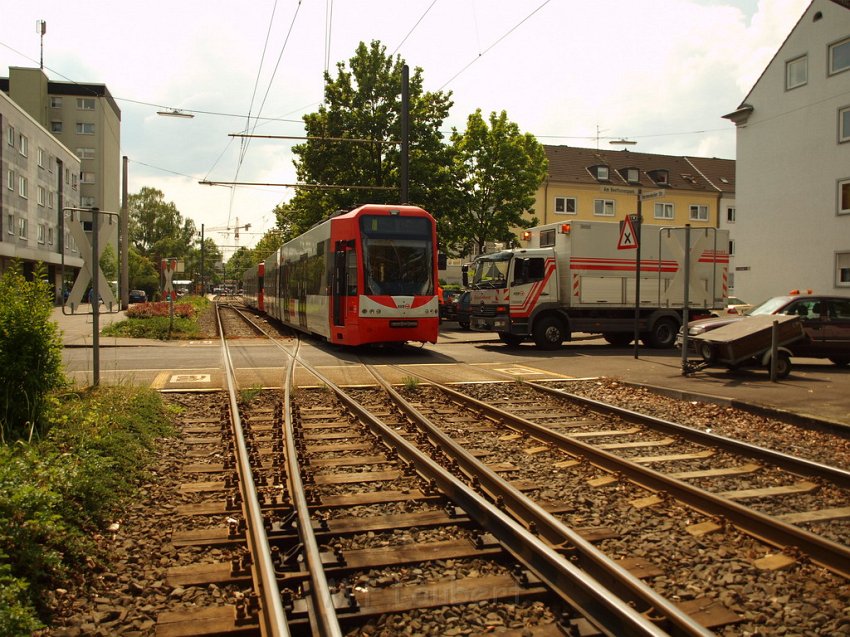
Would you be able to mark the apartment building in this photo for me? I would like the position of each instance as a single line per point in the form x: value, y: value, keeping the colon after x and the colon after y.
x: 792, y: 229
x: 39, y: 180
x: 86, y: 119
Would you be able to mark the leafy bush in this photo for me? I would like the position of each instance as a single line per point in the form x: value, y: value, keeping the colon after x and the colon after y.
x: 55, y: 494
x: 161, y: 309
x: 30, y: 353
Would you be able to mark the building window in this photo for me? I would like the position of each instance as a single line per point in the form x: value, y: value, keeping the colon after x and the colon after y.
x: 67, y: 176
x: 698, y: 213
x: 565, y: 205
x: 23, y: 186
x: 632, y: 175
x: 85, y: 128
x: 23, y: 145
x: 50, y: 236
x: 41, y: 155
x: 85, y: 103
x: 839, y: 56
x: 660, y: 177
x: 74, y: 181
x: 22, y: 228
x: 844, y: 197
x: 87, y: 177
x: 87, y: 201
x: 730, y: 215
x: 603, y: 207
x: 844, y: 124
x: 731, y: 247
x: 599, y: 172
x: 10, y: 179
x: 10, y: 136
x: 56, y: 126
x: 796, y: 72
x: 10, y: 223
x: 842, y: 269
x: 85, y: 153
x: 41, y: 233
x: 663, y: 211
x: 55, y: 102
x: 547, y: 238
x: 50, y: 199
x: 41, y: 195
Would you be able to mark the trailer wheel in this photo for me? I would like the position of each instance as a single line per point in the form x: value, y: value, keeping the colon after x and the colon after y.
x: 707, y: 352
x: 548, y: 333
x: 512, y: 340
x: 618, y: 339
x: 783, y: 365
x: 663, y: 333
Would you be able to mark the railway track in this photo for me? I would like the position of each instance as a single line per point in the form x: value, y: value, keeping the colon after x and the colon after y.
x: 386, y: 507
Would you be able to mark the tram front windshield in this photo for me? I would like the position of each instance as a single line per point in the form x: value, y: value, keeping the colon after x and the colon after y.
x: 398, y: 257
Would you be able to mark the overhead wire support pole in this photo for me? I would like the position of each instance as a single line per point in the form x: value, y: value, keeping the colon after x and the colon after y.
x: 405, y: 133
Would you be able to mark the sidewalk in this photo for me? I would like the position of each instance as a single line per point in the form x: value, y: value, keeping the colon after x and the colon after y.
x: 78, y: 329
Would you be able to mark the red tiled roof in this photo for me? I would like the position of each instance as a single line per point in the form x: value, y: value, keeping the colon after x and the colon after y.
x: 571, y: 165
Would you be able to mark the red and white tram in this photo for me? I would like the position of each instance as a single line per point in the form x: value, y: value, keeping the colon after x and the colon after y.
x: 252, y: 287
x: 367, y: 276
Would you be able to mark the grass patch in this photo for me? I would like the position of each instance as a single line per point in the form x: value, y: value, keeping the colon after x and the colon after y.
x: 57, y: 493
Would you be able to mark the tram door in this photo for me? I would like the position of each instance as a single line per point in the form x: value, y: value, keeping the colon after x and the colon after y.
x: 340, y: 281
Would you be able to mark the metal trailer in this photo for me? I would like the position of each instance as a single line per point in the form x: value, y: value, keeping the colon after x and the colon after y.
x: 750, y: 342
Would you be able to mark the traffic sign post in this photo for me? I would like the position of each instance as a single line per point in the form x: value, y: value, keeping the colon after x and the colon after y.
x: 637, y: 222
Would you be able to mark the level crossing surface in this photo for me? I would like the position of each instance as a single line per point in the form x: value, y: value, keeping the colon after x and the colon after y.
x: 815, y: 389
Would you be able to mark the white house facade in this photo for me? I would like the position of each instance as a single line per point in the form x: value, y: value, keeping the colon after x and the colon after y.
x: 792, y: 208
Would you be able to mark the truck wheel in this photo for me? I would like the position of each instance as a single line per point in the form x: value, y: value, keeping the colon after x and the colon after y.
x: 839, y: 361
x: 618, y: 339
x: 783, y: 365
x: 513, y: 340
x: 464, y: 325
x: 548, y: 333
x: 663, y: 333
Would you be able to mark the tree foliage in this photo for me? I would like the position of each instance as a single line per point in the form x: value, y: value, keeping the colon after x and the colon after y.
x: 157, y: 229
x: 243, y: 259
x: 30, y: 353
x: 363, y: 104
x: 499, y: 170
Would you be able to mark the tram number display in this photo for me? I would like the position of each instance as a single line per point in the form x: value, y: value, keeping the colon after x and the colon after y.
x: 404, y: 323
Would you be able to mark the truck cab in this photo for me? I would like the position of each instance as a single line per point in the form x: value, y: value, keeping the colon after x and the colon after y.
x: 511, y: 290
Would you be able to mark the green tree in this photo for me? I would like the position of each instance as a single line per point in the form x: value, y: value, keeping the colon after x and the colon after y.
x: 268, y: 244
x: 30, y: 353
x: 363, y: 104
x: 243, y: 259
x: 142, y: 274
x: 157, y: 229
x: 499, y: 170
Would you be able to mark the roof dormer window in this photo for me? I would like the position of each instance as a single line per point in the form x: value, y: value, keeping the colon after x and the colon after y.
x: 660, y: 177
x: 600, y: 172
x: 631, y: 175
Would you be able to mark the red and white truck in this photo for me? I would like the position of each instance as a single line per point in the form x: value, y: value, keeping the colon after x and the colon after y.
x: 580, y: 277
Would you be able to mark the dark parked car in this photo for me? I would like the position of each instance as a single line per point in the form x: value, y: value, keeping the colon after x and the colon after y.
x: 462, y: 310
x: 825, y: 318
x: 138, y: 296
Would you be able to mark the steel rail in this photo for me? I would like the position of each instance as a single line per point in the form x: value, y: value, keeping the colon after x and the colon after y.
x: 831, y: 555
x: 596, y: 563
x: 323, y: 611
x: 605, y: 610
x: 272, y: 619
x: 839, y: 477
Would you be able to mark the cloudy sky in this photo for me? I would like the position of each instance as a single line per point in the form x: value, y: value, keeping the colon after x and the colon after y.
x: 576, y: 72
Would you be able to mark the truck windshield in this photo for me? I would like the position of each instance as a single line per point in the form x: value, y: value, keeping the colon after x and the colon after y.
x: 491, y: 271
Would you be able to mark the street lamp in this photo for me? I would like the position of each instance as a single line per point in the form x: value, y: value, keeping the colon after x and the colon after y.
x: 175, y: 113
